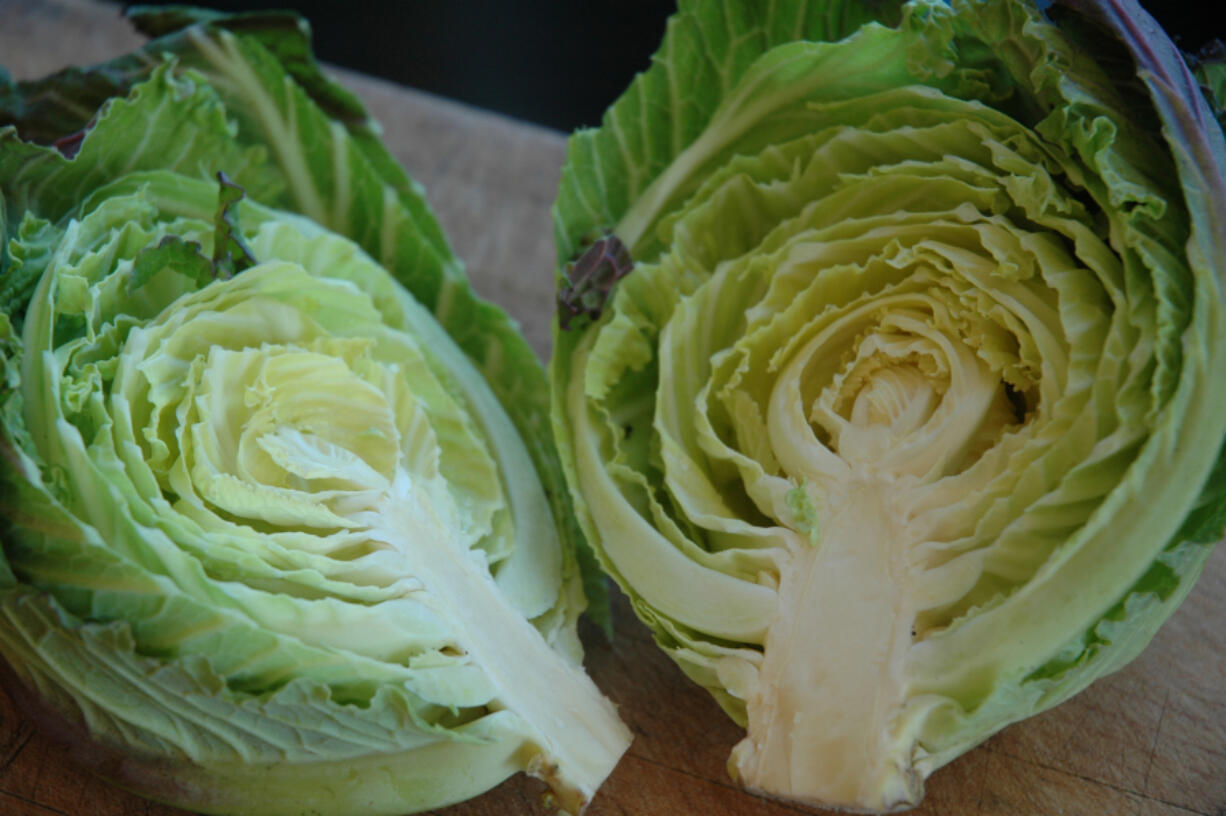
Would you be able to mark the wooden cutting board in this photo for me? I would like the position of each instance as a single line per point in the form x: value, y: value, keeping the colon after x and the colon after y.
x: 1148, y: 741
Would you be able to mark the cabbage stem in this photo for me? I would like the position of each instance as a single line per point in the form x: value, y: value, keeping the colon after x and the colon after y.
x: 577, y: 736
x: 830, y: 685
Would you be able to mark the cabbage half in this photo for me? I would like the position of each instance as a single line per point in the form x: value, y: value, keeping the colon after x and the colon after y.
x: 890, y: 384
x: 280, y: 535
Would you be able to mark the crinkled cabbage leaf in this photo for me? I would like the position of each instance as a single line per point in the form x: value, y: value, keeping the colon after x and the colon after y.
x: 907, y: 421
x: 283, y: 527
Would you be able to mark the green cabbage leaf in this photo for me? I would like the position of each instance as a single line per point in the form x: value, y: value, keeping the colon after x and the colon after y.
x: 889, y: 375
x: 283, y: 528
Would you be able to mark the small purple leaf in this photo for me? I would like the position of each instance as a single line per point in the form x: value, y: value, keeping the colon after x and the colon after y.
x: 590, y: 279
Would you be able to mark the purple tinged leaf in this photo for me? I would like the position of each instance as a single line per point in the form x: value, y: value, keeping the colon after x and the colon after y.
x: 69, y: 144
x: 1192, y: 131
x: 590, y: 279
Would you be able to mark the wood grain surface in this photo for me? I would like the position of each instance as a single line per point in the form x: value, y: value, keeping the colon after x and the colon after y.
x: 1147, y: 741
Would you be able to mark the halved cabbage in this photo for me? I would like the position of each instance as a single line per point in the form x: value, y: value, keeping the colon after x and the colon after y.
x: 908, y: 420
x: 279, y: 534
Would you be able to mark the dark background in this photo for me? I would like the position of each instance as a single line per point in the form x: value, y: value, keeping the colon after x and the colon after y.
x: 559, y: 63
